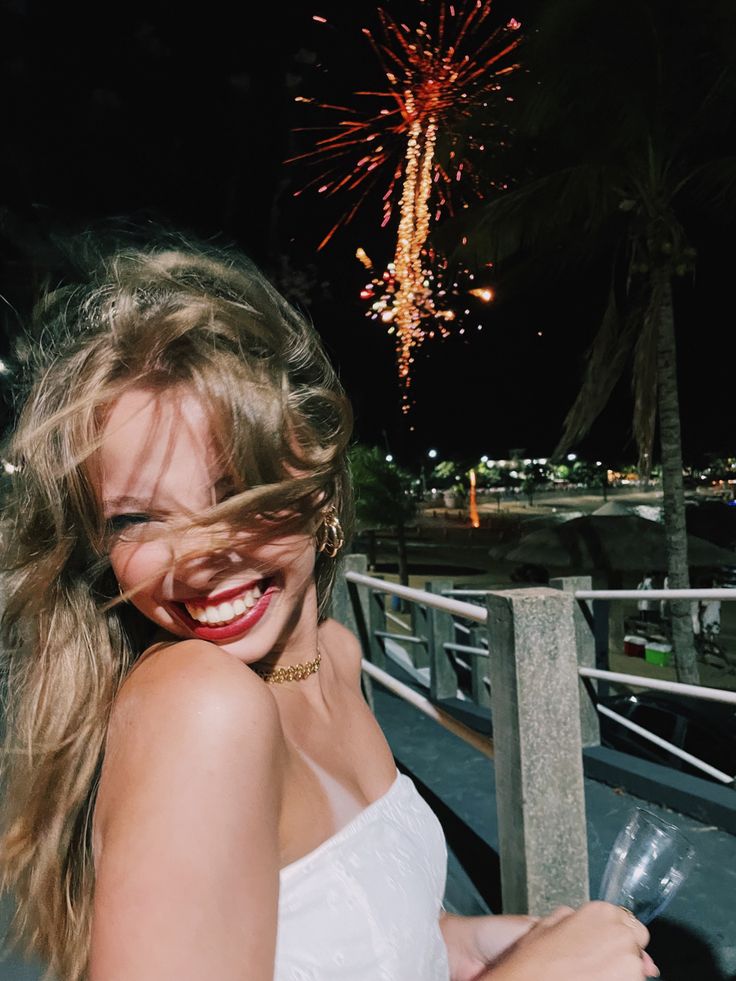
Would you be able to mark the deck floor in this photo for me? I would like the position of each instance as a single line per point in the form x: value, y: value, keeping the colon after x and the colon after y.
x: 694, y: 940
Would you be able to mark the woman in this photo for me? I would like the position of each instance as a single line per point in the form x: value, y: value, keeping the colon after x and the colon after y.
x: 194, y: 786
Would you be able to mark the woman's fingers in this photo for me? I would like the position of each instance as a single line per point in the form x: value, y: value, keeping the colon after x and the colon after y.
x: 556, y: 916
x: 641, y: 933
x: 650, y: 968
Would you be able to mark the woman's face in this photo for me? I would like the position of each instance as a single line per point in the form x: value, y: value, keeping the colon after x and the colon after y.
x: 158, y: 463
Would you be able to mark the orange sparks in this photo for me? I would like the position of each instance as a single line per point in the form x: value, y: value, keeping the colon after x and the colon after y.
x: 436, y: 76
x: 483, y: 293
x: 474, y: 516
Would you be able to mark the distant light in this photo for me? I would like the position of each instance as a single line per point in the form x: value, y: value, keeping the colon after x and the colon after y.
x: 320, y: 20
x: 543, y: 460
x: 389, y: 458
x: 599, y: 463
x: 572, y: 456
x: 432, y: 454
x: 484, y: 458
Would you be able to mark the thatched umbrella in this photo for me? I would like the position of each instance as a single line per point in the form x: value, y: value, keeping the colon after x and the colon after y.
x: 609, y: 543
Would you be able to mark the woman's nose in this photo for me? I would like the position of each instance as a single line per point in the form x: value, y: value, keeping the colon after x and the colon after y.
x: 203, y: 555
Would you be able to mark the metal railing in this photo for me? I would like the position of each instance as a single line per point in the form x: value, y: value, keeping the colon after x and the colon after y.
x: 640, y: 681
x: 541, y: 812
x: 530, y: 652
x: 657, y: 684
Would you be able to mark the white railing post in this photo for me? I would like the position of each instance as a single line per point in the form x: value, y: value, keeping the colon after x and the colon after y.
x: 590, y: 729
x: 536, y: 732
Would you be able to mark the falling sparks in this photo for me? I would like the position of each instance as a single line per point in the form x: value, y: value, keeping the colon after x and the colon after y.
x: 437, y: 78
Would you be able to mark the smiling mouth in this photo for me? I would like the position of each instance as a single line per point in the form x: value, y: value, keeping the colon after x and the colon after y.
x: 216, y: 616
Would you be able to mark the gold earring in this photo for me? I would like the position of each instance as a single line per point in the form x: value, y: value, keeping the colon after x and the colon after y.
x: 330, y: 538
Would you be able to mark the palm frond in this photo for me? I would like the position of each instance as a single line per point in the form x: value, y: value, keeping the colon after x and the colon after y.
x: 605, y: 362
x: 538, y: 214
x: 712, y: 187
x: 644, y: 380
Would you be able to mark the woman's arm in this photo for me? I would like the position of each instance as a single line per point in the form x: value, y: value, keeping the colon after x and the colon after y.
x: 474, y: 942
x: 187, y: 824
x: 597, y: 941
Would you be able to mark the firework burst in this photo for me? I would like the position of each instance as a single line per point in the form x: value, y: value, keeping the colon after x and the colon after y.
x: 416, y: 135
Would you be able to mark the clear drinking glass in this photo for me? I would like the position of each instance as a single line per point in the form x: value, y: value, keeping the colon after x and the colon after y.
x: 648, y: 862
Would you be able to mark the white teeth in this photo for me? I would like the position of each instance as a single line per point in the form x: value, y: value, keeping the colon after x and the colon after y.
x: 225, y: 612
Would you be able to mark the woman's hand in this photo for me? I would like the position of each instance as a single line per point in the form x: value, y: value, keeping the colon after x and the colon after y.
x: 598, y: 941
x: 475, y: 942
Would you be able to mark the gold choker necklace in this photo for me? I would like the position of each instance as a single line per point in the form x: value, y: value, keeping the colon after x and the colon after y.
x: 294, y: 672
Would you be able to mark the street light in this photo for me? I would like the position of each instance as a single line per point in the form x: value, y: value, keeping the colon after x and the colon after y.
x: 389, y: 458
x: 432, y: 454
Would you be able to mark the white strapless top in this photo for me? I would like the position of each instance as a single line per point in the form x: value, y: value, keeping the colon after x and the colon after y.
x: 365, y: 904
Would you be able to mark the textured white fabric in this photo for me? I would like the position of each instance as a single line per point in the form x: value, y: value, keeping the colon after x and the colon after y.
x: 365, y: 904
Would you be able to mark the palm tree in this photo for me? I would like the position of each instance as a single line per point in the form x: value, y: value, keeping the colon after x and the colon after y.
x: 625, y: 110
x: 383, y: 498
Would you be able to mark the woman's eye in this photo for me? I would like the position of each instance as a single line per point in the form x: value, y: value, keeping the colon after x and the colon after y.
x: 119, y: 522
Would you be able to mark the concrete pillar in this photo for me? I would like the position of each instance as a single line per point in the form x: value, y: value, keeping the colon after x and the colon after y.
x: 478, y: 674
x: 538, y: 761
x: 376, y: 621
x: 420, y: 627
x: 349, y: 606
x: 440, y: 629
x: 350, y: 602
x: 590, y: 729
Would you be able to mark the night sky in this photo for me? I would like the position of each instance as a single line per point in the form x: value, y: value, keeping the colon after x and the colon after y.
x: 150, y: 114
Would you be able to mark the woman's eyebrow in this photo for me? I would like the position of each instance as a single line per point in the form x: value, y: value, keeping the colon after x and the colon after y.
x: 125, y: 501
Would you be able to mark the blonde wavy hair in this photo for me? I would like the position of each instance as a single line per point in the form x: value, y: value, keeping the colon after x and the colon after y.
x: 156, y: 318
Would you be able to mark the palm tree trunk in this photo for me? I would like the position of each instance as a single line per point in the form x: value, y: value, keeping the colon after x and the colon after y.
x: 372, y: 548
x: 678, y: 576
x: 402, y: 555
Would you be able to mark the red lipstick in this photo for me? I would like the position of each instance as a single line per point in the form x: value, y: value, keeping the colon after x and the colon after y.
x: 235, y: 628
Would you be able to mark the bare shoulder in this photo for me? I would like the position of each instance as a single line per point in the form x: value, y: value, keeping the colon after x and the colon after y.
x: 343, y: 648
x: 197, y: 685
x: 185, y: 705
x: 186, y: 825
x: 193, y: 669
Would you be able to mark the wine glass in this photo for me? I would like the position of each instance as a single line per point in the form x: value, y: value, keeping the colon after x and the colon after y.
x: 648, y: 862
